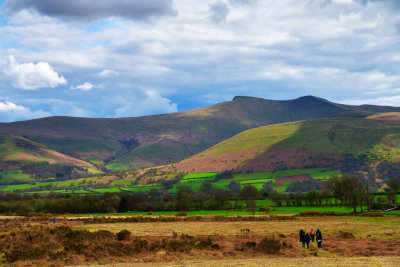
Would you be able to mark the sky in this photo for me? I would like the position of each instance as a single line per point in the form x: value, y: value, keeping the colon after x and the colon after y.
x: 125, y: 58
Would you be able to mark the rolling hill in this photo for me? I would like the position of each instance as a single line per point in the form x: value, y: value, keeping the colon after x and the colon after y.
x: 303, y: 144
x: 129, y: 143
x: 23, y: 160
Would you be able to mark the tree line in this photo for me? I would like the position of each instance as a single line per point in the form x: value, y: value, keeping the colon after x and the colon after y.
x: 346, y: 190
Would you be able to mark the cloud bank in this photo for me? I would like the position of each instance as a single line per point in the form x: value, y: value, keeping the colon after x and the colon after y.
x: 86, y: 10
x: 192, y: 53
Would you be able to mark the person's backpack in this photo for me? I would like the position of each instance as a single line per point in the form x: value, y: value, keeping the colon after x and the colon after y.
x: 312, y: 232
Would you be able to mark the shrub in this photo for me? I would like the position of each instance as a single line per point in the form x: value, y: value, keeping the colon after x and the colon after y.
x: 77, y: 248
x: 372, y: 214
x: 103, y: 235
x: 123, y: 235
x: 25, y: 252
x: 250, y: 244
x: 343, y: 234
x: 204, y: 243
x: 381, y: 200
x: 312, y: 213
x: 139, y: 245
x: 269, y: 246
x: 245, y: 232
x: 265, y: 209
x: 182, y: 213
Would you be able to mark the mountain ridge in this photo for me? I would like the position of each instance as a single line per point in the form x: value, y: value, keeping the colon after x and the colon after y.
x: 135, y: 142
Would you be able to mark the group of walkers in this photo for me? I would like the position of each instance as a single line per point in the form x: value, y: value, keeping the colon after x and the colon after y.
x: 305, y: 238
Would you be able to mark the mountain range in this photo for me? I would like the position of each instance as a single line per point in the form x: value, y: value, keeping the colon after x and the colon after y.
x: 113, y: 144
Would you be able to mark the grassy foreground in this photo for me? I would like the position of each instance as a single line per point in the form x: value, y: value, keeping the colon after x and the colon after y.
x: 208, y: 241
x: 360, y: 227
x: 279, y: 261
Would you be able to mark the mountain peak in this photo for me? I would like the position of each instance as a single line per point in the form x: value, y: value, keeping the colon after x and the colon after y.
x: 307, y: 97
x: 311, y: 97
x: 244, y: 97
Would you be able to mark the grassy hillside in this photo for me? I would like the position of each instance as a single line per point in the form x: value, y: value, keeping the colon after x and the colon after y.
x: 302, y: 144
x: 21, y: 158
x: 129, y: 143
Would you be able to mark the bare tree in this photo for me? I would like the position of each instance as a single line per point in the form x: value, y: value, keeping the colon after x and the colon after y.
x: 249, y: 193
x: 351, y: 191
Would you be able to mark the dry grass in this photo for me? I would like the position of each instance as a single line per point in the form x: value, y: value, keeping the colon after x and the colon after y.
x: 279, y: 261
x: 376, y: 242
x: 383, y: 228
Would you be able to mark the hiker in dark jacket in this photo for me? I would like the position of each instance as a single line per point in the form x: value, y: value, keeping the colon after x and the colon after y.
x: 307, y: 240
x: 318, y: 231
x: 301, y: 233
x: 303, y: 239
x: 319, y: 238
x: 312, y: 234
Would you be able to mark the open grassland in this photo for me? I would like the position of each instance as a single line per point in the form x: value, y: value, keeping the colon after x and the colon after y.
x: 198, y: 241
x: 280, y: 261
x: 369, y: 234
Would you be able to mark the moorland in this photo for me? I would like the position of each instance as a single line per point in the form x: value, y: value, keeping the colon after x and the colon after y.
x: 233, y: 182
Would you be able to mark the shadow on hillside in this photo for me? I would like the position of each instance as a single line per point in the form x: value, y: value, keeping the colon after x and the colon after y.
x: 332, y: 142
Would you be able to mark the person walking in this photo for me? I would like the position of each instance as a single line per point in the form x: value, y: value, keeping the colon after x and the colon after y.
x: 307, y: 240
x: 301, y: 232
x: 54, y: 220
x: 318, y: 231
x: 312, y: 234
x: 303, y: 239
x: 319, y: 238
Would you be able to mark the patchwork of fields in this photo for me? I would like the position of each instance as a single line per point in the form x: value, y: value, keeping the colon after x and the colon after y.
x: 280, y: 181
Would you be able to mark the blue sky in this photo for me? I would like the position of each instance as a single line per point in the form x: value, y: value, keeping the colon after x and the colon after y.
x: 125, y: 58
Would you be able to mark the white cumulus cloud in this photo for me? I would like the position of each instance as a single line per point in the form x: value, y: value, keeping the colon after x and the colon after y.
x: 107, y: 73
x: 13, y: 112
x: 30, y: 76
x: 151, y: 103
x: 83, y: 87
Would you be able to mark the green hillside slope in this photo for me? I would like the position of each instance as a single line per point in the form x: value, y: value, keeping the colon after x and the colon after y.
x: 23, y: 160
x: 303, y: 144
